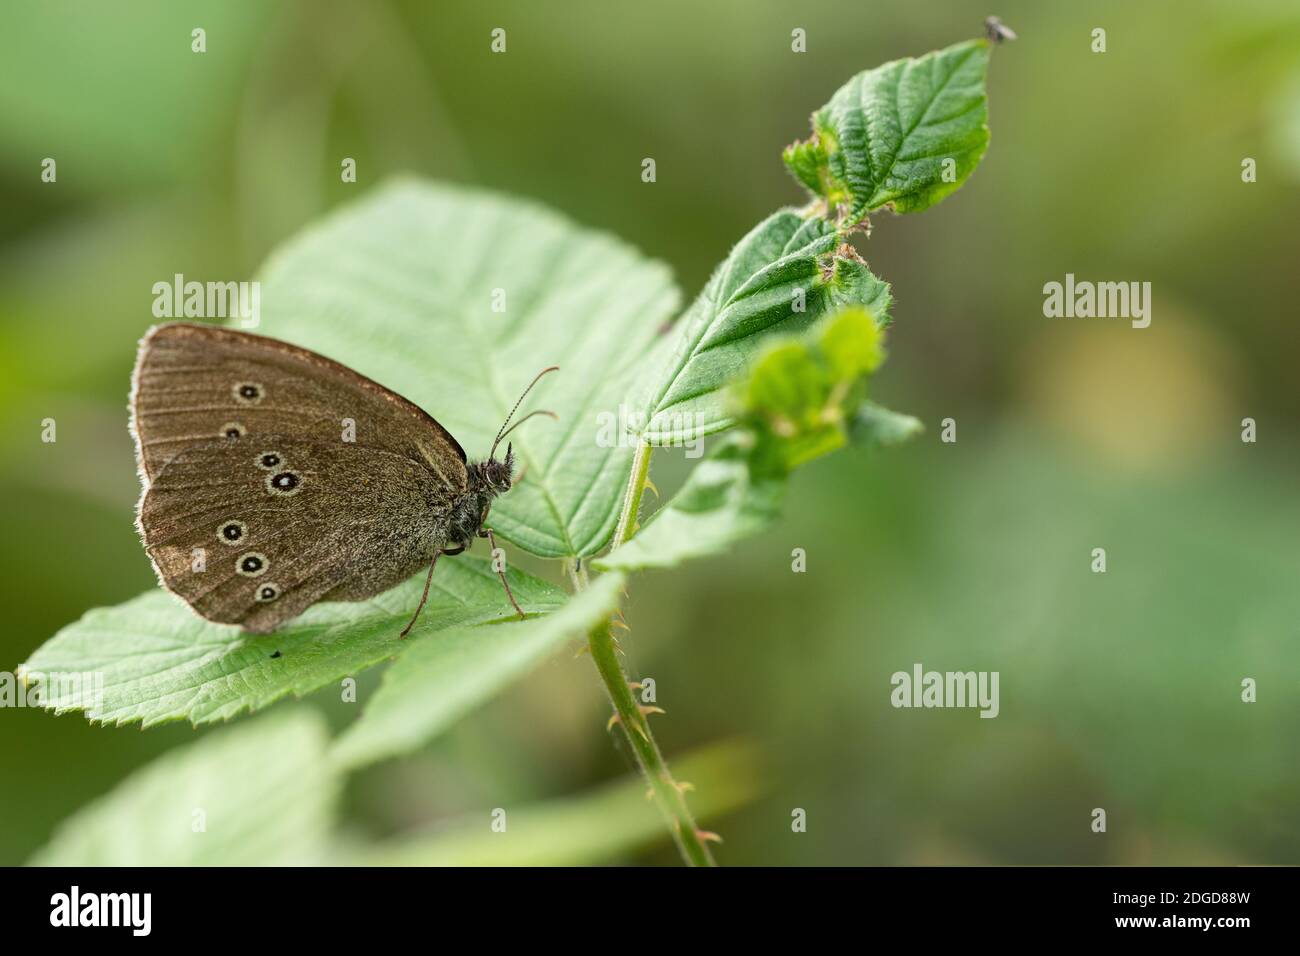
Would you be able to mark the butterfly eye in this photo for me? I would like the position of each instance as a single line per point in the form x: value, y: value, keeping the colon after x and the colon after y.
x: 268, y: 592
x: 251, y: 564
x: 269, y: 460
x: 283, y: 483
x: 232, y: 430
x: 247, y: 393
x: 232, y: 532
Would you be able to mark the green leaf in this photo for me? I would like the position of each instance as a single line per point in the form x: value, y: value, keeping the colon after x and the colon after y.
x: 801, y: 394
x: 803, y: 398
x: 447, y: 674
x: 401, y: 287
x: 780, y: 278
x: 601, y: 825
x: 260, y: 794
x: 874, y: 425
x: 884, y: 137
x: 852, y: 344
x: 157, y: 661
x: 721, y: 503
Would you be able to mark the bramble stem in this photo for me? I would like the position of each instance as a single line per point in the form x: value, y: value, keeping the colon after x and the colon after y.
x: 636, y: 728
x: 664, y: 789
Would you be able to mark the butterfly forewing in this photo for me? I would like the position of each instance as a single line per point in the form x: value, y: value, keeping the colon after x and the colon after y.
x: 195, y: 383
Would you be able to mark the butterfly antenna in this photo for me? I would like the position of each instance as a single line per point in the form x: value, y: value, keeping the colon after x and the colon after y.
x: 541, y: 411
x: 502, y: 433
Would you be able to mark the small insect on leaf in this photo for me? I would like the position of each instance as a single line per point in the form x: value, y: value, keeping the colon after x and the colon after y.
x: 997, y: 31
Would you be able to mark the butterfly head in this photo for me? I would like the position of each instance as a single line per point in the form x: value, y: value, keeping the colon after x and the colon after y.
x: 493, y: 475
x: 496, y: 475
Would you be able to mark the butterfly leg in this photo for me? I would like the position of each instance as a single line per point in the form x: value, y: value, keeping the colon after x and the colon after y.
x: 492, y: 543
x: 423, y: 597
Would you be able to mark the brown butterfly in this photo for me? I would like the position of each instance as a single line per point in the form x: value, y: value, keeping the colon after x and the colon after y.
x: 275, y: 478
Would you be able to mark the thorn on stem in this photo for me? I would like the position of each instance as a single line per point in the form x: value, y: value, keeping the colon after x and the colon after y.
x: 707, y: 836
x: 618, y: 719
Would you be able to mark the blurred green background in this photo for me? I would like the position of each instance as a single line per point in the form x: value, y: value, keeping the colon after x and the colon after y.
x: 1118, y: 690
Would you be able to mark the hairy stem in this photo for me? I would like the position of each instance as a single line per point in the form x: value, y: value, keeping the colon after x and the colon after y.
x: 666, y: 792
x: 632, y: 497
x: 636, y: 728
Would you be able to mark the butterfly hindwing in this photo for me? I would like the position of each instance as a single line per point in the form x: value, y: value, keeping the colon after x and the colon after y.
x: 196, y: 383
x: 255, y: 529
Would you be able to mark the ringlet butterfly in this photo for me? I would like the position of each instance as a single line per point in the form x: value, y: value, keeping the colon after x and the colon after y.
x: 257, y: 502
